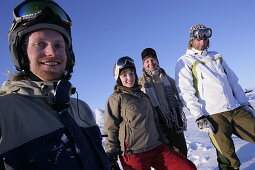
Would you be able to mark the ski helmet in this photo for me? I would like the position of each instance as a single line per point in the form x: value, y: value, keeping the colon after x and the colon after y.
x: 123, y: 62
x: 32, y: 15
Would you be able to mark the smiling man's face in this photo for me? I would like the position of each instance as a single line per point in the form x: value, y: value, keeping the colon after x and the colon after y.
x: 46, y: 54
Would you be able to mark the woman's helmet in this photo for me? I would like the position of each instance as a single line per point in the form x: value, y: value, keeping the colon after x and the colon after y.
x: 123, y: 62
x: 33, y: 15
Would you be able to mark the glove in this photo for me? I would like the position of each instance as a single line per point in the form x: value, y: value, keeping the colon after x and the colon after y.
x: 249, y: 108
x: 204, y: 125
x: 113, y: 158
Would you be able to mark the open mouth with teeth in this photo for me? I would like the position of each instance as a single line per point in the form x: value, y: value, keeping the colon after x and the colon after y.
x: 50, y: 63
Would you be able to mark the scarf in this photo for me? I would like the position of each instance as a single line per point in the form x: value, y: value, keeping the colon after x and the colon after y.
x: 174, y: 119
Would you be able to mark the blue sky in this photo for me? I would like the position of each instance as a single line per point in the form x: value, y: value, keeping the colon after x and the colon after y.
x: 104, y: 30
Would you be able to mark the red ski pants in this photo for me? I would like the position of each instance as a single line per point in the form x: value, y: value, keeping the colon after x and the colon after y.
x: 160, y: 158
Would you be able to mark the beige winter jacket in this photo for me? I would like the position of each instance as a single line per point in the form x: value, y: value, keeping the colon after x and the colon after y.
x: 130, y: 123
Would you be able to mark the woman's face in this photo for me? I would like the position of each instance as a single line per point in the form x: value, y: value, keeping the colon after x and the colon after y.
x: 127, y: 77
x: 150, y: 64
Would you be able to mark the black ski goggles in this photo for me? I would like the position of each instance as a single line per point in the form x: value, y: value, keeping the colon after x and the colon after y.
x: 202, y: 34
x: 123, y: 61
x: 29, y: 11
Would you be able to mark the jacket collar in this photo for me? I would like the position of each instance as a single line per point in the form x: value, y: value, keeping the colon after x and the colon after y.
x: 135, y: 91
x: 195, y: 52
x: 28, y: 88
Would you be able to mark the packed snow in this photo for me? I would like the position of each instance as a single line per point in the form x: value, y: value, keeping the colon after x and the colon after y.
x: 200, y: 150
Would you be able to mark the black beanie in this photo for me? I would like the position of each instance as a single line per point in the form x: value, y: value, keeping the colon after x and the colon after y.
x: 149, y: 52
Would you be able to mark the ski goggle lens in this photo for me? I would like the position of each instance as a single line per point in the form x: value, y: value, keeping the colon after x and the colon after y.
x: 123, y: 61
x: 202, y: 34
x: 29, y: 11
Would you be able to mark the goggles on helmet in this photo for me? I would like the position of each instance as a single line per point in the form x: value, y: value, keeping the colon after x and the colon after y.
x: 29, y: 11
x: 122, y: 63
x: 202, y: 34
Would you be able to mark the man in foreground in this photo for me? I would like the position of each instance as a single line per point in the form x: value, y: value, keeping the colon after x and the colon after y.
x: 41, y: 126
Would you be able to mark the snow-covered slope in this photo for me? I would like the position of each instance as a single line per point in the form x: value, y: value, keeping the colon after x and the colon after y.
x: 200, y: 149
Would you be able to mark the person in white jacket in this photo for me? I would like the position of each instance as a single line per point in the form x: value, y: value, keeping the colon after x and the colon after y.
x: 210, y: 90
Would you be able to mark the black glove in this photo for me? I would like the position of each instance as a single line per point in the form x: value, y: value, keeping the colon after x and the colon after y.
x: 113, y: 158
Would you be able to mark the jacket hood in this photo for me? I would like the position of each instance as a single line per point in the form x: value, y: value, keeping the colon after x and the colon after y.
x: 28, y: 88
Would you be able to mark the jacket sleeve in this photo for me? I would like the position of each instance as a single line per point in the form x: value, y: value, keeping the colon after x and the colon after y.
x: 236, y: 88
x: 185, y: 87
x: 112, y: 120
x: 82, y: 114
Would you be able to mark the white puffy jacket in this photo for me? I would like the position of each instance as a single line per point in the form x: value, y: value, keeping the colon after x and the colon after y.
x: 206, y: 84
